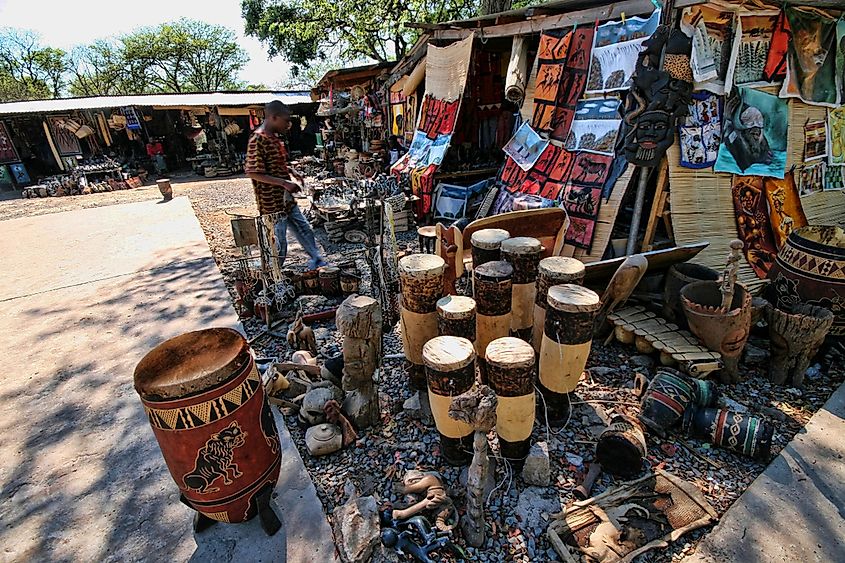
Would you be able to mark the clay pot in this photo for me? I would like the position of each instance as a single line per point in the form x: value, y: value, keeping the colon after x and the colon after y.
x: 721, y: 331
x: 744, y: 434
x: 165, y: 188
x: 323, y: 439
x: 810, y: 268
x: 677, y: 277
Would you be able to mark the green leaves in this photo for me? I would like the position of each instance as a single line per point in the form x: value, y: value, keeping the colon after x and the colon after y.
x: 28, y: 70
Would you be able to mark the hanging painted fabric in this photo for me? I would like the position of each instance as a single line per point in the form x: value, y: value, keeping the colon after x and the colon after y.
x: 811, y: 64
x: 753, y: 38
x: 582, y: 197
x: 785, y: 210
x: 753, y: 224
x: 718, y: 25
x: 700, y: 132
x: 551, y: 57
x: 775, y: 69
x: 840, y: 57
x: 615, y: 49
x: 573, y: 81
x: 595, y: 126
x: 836, y: 136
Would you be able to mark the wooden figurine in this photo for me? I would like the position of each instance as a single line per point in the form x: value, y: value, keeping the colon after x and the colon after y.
x: 430, y: 484
x: 477, y: 408
x: 449, y: 246
x: 796, y: 337
x: 621, y: 285
x: 554, y: 270
x: 301, y: 337
x: 421, y: 277
x: 359, y: 320
x: 523, y: 253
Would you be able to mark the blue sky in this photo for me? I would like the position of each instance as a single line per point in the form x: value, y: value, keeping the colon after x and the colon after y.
x: 64, y: 23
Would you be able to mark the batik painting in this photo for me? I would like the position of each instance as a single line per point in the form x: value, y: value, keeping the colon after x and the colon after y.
x: 753, y: 224
x: 525, y: 147
x: 815, y: 140
x: 718, y: 25
x: 595, y: 126
x: 812, y: 178
x: 700, y: 131
x: 702, y: 57
x: 582, y: 197
x: 785, y: 211
x: 397, y: 110
x: 7, y: 148
x: 775, y: 69
x: 67, y: 143
x: 834, y: 178
x: 615, y: 49
x: 753, y: 38
x: 840, y: 58
x: 547, y: 177
x: 754, y: 134
x: 836, y: 136
x: 19, y: 173
x: 811, y: 63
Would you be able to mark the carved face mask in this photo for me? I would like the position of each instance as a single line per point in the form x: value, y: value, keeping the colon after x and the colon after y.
x: 650, y: 136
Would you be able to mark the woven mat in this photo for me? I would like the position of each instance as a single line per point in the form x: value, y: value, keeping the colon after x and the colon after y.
x: 447, y: 68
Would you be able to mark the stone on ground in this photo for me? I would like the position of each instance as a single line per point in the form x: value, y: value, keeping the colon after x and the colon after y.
x: 536, y: 470
x: 356, y: 529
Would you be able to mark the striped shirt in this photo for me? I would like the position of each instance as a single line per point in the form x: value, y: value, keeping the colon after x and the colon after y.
x: 266, y: 154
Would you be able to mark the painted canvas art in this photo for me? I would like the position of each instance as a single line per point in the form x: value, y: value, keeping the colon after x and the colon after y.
x: 815, y: 140
x: 718, y: 26
x: 811, y: 62
x: 754, y: 134
x: 19, y: 174
x: 785, y: 211
x: 615, y: 49
x: 66, y: 142
x: 595, y: 126
x: 775, y: 69
x: 840, y: 57
x: 812, y: 178
x: 753, y: 224
x: 834, y: 178
x: 753, y: 40
x: 700, y: 131
x: 836, y: 136
x: 525, y: 147
x: 7, y: 148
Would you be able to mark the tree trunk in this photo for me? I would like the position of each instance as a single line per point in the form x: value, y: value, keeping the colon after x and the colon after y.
x: 494, y: 6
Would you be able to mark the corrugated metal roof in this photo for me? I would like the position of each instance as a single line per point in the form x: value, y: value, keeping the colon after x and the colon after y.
x: 165, y: 100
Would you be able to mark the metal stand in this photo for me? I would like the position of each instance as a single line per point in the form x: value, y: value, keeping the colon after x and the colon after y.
x: 631, y: 246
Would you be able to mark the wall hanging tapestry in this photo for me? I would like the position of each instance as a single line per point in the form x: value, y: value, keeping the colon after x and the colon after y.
x: 717, y: 26
x: 834, y: 178
x: 815, y: 140
x: 657, y: 97
x: 700, y: 131
x: 525, y: 147
x: 595, y: 126
x: 811, y: 63
x: 753, y: 39
x: 840, y: 58
x: 615, y: 49
x: 445, y: 80
x: 836, y: 136
x: 754, y: 134
x: 775, y: 69
x: 753, y: 223
x: 582, y: 197
x: 19, y: 173
x: 7, y: 148
x: 785, y: 210
x: 811, y: 178
x: 67, y: 144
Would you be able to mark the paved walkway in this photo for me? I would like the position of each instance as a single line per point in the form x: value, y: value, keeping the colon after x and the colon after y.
x: 795, y: 510
x: 83, y: 296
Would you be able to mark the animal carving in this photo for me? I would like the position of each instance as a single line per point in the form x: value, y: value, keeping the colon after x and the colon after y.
x: 216, y: 459
x: 301, y: 337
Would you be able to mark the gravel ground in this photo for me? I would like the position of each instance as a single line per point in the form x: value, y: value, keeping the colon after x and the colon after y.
x: 517, y: 514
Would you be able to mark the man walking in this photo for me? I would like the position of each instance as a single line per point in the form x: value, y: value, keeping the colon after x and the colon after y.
x: 274, y: 185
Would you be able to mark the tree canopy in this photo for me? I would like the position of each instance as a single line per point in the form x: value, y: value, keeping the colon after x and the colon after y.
x: 305, y: 31
x: 28, y: 69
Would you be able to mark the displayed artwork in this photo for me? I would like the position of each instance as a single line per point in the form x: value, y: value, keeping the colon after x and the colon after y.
x: 595, y: 126
x: 67, y: 143
x: 546, y: 179
x: 700, y: 131
x: 615, y: 49
x: 702, y: 57
x: 815, y: 140
x: 19, y: 174
x: 562, y: 64
x: 753, y: 223
x: 811, y: 62
x: 834, y: 178
x: 718, y: 25
x: 582, y: 197
x: 775, y: 69
x: 6, y: 182
x: 785, y: 211
x: 754, y: 134
x: 812, y: 178
x: 525, y: 147
x: 840, y: 57
x: 836, y: 136
x: 752, y: 41
x: 7, y: 148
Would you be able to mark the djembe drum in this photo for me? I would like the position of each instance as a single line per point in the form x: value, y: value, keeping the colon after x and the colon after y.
x: 493, y: 282
x: 554, y: 270
x: 421, y: 277
x: 206, y: 404
x: 450, y: 371
x: 456, y: 316
x: 523, y: 253
x: 567, y: 337
x: 510, y: 373
x: 486, y: 245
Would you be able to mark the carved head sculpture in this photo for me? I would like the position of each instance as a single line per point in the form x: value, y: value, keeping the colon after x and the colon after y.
x: 649, y: 138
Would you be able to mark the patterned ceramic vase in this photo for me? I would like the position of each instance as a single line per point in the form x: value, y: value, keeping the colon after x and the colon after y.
x: 205, y: 402
x: 810, y: 268
x: 744, y: 434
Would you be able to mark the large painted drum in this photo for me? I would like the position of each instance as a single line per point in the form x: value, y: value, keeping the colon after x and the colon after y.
x: 205, y: 402
x: 523, y: 253
x: 567, y: 338
x: 486, y: 245
x: 554, y: 270
x: 510, y: 372
x: 421, y: 277
x: 450, y: 371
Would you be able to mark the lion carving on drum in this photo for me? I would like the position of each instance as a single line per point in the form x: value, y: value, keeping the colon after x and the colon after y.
x: 216, y: 459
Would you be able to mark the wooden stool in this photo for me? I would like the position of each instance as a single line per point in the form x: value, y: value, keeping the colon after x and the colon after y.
x: 427, y: 237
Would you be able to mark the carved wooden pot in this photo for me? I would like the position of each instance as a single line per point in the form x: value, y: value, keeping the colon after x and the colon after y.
x: 723, y: 332
x: 810, y: 268
x: 677, y: 277
x: 796, y: 335
x: 205, y: 402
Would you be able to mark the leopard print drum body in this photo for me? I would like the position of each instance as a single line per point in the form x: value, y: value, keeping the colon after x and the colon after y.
x: 204, y: 400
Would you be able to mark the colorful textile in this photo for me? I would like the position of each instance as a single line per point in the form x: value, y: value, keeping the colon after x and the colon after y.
x: 525, y: 147
x: 595, y: 126
x: 700, y: 132
x: 840, y: 57
x: 754, y: 37
x: 815, y: 140
x: 775, y: 69
x: 834, y: 178
x: 836, y: 136
x: 811, y: 178
x: 811, y: 64
x: 753, y: 224
x: 615, y: 49
x: 582, y: 197
x: 267, y: 155
x: 718, y: 25
x: 785, y: 211
x: 7, y: 148
x: 754, y: 134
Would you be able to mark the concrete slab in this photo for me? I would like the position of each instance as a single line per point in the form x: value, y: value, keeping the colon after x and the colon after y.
x: 795, y: 510
x: 81, y: 476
